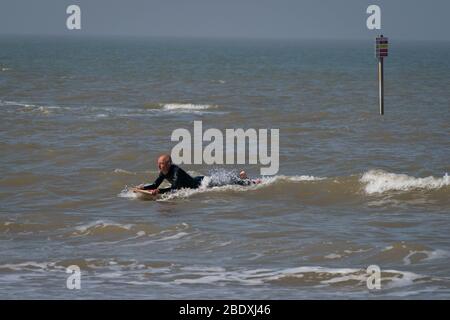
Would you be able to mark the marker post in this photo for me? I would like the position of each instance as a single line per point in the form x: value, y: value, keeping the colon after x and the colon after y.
x: 381, y: 51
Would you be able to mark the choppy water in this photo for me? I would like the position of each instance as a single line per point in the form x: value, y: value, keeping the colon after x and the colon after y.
x: 81, y: 119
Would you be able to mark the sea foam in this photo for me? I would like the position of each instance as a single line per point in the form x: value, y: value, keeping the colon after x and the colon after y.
x: 187, y: 106
x: 379, y: 181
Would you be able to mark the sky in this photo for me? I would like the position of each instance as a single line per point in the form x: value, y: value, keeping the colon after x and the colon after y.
x: 271, y: 19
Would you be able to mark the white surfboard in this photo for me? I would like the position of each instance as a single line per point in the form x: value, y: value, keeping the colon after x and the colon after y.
x: 145, y: 195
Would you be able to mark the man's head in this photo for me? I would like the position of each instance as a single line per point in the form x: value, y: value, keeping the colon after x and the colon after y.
x: 164, y: 163
x: 243, y: 175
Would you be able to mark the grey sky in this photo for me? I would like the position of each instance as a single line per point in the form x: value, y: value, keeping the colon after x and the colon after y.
x: 321, y: 19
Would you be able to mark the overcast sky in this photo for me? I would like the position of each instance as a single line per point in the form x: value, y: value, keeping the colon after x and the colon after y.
x: 310, y: 19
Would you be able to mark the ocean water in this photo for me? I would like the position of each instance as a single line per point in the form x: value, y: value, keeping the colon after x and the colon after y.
x: 83, y: 118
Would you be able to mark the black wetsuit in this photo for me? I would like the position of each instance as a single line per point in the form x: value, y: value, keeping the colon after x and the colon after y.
x: 244, y: 182
x: 178, y: 178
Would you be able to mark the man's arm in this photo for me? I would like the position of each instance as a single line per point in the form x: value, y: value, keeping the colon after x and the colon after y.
x: 155, y: 184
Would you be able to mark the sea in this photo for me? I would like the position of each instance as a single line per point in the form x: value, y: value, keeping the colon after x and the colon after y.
x: 359, y: 208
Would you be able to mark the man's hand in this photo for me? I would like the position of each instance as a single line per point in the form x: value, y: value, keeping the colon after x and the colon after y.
x: 153, y: 192
x: 139, y: 187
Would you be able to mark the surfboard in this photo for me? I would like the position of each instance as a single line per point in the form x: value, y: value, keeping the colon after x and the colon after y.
x: 145, y: 195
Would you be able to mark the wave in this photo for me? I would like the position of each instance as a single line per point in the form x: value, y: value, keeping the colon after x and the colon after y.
x: 153, y: 240
x: 223, y: 182
x: 15, y: 227
x: 409, y: 253
x: 57, y: 265
x: 379, y: 181
x: 166, y: 273
x: 300, y: 276
x: 102, y: 230
x: 28, y: 107
x: 4, y: 103
x: 187, y: 106
x: 428, y: 255
x: 372, y: 182
x: 101, y: 227
x: 137, y: 234
x: 102, y: 112
x: 178, y: 107
x: 29, y: 266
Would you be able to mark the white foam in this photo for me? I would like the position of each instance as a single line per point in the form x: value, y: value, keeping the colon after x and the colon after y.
x: 379, y: 181
x: 400, y: 279
x: 127, y: 193
x: 262, y: 276
x: 205, y: 188
x: 26, y: 107
x: 17, y: 104
x: 297, y: 178
x: 437, y: 254
x: 41, y: 266
x: 123, y: 171
x: 203, y: 269
x: 356, y: 251
x: 173, y: 237
x: 358, y: 277
x: 407, y: 260
x: 221, y: 181
x: 179, y: 234
x: 429, y: 255
x: 187, y: 106
x: 45, y: 110
x: 110, y: 274
x: 333, y: 256
x: 151, y: 241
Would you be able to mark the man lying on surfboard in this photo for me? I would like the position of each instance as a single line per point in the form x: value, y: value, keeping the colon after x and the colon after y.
x: 179, y: 178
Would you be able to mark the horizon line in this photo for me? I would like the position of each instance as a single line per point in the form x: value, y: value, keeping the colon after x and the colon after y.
x: 77, y: 34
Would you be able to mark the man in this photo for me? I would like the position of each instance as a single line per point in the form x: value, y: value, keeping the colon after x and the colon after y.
x: 177, y: 177
x: 244, y: 180
x: 181, y: 179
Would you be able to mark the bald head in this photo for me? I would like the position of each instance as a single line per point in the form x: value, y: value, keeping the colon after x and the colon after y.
x: 164, y: 163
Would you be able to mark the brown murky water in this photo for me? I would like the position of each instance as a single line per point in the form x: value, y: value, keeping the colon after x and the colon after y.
x: 83, y: 119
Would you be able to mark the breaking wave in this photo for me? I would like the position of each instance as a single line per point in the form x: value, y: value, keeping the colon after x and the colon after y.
x: 164, y: 273
x: 379, y: 181
x: 372, y: 182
